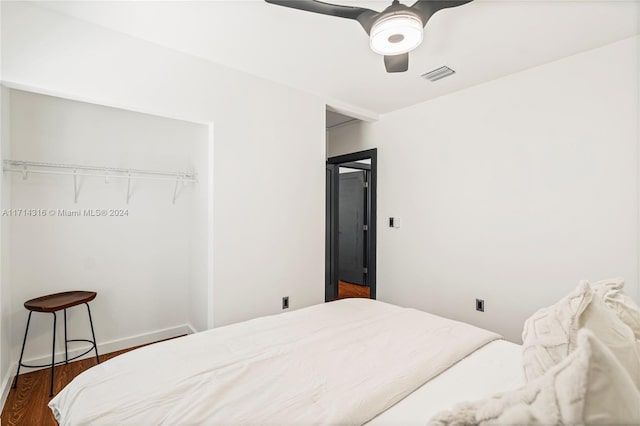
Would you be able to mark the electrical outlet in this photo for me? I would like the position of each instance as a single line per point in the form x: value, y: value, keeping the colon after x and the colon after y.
x: 285, y: 302
x: 394, y: 222
x: 480, y: 305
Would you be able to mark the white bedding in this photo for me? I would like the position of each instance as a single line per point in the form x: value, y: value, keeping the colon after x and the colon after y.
x: 494, y: 368
x: 340, y: 362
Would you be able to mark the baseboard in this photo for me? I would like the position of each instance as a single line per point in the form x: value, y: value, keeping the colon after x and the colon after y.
x: 115, y: 345
x: 191, y: 328
x: 6, y: 385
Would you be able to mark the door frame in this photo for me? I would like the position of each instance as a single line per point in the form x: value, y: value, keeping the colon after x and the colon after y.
x: 332, y: 235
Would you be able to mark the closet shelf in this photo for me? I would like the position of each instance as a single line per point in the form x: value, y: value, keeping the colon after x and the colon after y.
x: 76, y: 170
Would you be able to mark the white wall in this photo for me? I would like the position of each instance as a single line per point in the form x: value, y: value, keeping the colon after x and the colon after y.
x: 510, y: 191
x: 5, y: 326
x: 5, y: 264
x: 140, y: 264
x: 199, y: 300
x: 268, y: 214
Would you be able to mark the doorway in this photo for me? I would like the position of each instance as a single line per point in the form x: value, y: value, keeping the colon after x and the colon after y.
x: 351, y: 201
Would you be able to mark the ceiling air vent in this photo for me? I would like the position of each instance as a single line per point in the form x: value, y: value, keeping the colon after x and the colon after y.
x: 438, y: 73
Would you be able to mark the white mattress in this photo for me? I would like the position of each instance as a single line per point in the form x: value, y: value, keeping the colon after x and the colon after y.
x: 492, y: 369
x: 341, y: 362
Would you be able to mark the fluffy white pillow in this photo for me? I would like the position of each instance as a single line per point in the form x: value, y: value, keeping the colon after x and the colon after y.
x: 612, y: 293
x: 615, y: 334
x: 551, y: 333
x: 547, y: 333
x: 589, y: 386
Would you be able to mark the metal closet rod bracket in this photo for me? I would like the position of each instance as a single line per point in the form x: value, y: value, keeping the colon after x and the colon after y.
x: 76, y: 170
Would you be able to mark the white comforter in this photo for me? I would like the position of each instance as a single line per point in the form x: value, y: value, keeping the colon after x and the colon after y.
x: 340, y: 362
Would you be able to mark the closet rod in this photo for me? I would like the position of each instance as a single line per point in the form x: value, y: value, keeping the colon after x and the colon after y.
x: 106, y: 175
x: 106, y: 172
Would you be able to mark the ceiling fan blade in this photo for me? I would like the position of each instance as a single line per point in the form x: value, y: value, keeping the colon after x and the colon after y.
x: 427, y: 8
x: 397, y: 63
x: 323, y: 8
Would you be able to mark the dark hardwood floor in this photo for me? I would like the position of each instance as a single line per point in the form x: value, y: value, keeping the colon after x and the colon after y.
x: 347, y: 290
x: 27, y: 404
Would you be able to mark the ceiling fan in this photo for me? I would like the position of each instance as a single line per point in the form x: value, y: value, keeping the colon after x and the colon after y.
x: 393, y: 33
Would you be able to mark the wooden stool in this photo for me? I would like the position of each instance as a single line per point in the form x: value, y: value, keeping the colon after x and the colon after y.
x: 51, y: 304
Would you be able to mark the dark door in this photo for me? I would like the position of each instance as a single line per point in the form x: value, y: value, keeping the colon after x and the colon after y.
x: 331, y: 242
x: 351, y: 221
x: 363, y: 269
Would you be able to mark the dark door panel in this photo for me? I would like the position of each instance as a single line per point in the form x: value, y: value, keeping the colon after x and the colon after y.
x: 351, y: 221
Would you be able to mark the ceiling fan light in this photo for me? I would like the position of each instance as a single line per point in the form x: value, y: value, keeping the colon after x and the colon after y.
x: 396, y: 34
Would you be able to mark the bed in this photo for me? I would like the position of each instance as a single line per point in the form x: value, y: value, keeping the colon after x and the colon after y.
x: 351, y: 361
x: 492, y: 369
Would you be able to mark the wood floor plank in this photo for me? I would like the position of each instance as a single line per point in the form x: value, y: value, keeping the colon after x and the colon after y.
x: 347, y: 290
x: 27, y: 404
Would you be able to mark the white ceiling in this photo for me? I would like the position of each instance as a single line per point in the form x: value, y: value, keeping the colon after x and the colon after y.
x: 329, y: 56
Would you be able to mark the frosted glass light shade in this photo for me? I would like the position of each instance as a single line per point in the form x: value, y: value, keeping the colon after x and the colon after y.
x: 396, y: 34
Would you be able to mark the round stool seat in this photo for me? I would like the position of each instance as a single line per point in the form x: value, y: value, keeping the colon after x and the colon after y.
x: 58, y: 301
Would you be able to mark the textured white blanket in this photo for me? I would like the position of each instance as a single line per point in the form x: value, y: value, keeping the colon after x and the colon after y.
x: 341, y: 362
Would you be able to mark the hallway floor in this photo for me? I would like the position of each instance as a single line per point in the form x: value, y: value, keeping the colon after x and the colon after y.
x: 347, y: 290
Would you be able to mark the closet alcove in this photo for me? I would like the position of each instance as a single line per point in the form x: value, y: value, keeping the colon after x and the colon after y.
x: 108, y: 200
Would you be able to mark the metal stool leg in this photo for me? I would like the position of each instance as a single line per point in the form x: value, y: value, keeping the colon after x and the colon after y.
x: 66, y: 351
x: 24, y: 341
x: 95, y: 345
x: 53, y: 353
